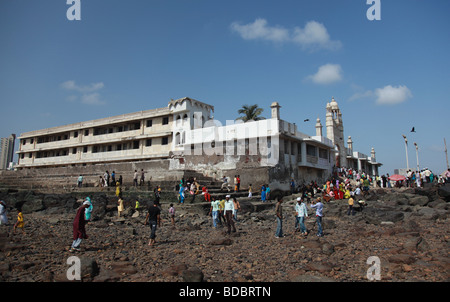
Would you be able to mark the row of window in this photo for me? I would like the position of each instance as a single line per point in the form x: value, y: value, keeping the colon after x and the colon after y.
x: 310, y: 150
x: 95, y: 149
x: 96, y: 131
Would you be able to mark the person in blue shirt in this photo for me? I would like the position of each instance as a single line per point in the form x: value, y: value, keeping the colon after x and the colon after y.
x: 318, y: 205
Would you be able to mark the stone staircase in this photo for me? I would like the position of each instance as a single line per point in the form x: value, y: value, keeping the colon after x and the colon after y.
x: 57, y: 183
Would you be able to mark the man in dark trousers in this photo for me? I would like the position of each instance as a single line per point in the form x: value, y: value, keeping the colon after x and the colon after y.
x: 228, y: 208
x: 154, y: 218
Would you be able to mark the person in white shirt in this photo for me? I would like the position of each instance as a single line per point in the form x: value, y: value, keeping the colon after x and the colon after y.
x: 302, y: 213
x: 228, y: 209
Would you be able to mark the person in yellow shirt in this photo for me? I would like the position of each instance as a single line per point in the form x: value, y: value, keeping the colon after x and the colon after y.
x: 118, y: 190
x: 347, y: 194
x: 20, y: 223
x: 351, y: 201
x: 221, y: 211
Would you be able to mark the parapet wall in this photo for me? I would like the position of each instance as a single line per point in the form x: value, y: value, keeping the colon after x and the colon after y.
x: 47, y: 177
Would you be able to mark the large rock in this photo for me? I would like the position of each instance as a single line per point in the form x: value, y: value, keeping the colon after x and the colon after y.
x: 193, y: 274
x: 34, y: 205
x: 89, y: 268
x: 378, y: 215
x: 418, y: 200
x: 444, y: 192
x: 431, y: 213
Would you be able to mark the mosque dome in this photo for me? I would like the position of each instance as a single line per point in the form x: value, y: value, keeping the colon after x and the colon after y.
x: 275, y: 104
x: 334, y: 104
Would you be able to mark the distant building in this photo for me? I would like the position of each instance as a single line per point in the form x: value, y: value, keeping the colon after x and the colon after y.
x: 7, y: 151
x: 185, y: 137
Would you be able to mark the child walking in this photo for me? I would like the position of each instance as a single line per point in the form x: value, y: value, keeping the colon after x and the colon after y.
x: 172, y: 214
x: 20, y: 223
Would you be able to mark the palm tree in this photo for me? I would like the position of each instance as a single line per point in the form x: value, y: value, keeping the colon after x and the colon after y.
x: 250, y: 113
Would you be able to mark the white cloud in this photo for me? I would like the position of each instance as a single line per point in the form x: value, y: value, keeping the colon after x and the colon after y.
x: 327, y: 74
x: 390, y: 95
x: 313, y: 36
x: 260, y: 30
x: 71, y: 85
x: 88, y: 94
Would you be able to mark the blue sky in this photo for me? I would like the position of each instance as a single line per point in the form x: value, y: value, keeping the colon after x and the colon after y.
x: 125, y: 56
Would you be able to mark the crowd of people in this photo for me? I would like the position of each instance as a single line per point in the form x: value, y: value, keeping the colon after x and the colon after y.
x: 224, y: 212
x: 419, y: 178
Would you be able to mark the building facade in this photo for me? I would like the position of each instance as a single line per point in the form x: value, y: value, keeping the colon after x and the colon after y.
x: 187, y: 137
x: 7, y: 151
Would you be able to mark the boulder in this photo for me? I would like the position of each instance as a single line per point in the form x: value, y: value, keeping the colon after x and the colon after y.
x: 444, y: 192
x: 89, y: 268
x: 327, y: 248
x: 377, y: 215
x: 34, y: 205
x: 193, y: 274
x: 418, y: 200
x: 428, y: 213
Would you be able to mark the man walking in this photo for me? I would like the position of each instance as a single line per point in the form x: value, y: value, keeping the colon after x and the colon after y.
x: 135, y: 178
x: 154, y: 218
x: 318, y: 205
x: 214, y: 210
x: 228, y: 208
x: 302, y: 213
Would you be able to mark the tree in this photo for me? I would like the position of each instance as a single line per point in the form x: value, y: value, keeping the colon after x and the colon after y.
x: 250, y: 113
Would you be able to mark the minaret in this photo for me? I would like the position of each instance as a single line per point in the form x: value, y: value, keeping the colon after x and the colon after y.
x: 318, y: 127
x: 329, y: 123
x: 350, y: 144
x: 335, y: 131
x: 275, y: 110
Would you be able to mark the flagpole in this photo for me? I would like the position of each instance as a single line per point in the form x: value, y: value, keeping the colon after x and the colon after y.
x: 446, y: 156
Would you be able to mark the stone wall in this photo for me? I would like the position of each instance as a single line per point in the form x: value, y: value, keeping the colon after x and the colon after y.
x: 156, y: 170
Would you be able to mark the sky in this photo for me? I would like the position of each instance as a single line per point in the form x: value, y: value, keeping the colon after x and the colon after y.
x: 388, y: 74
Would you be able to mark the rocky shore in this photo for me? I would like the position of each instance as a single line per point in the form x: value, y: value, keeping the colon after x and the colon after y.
x: 407, y: 229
